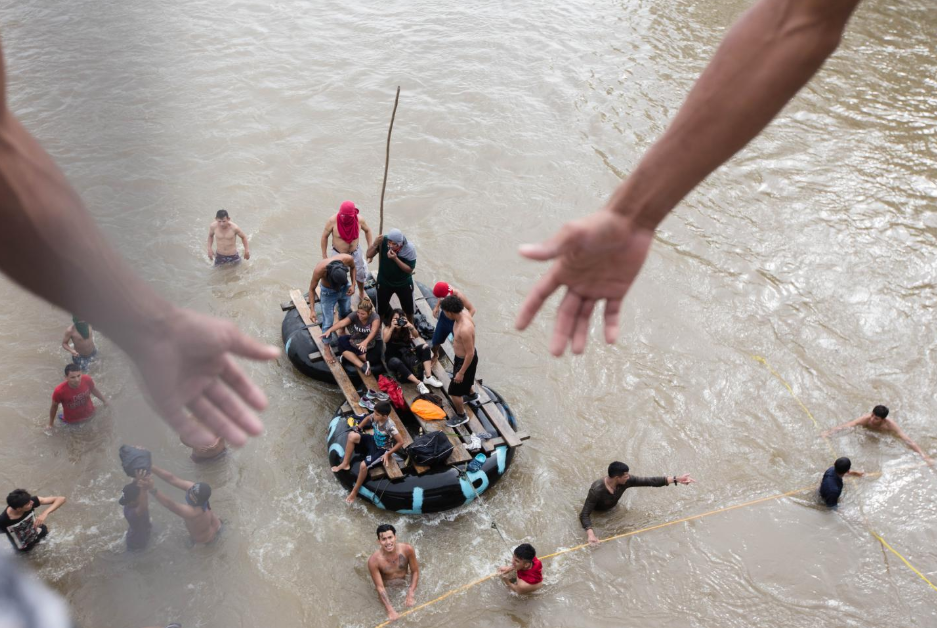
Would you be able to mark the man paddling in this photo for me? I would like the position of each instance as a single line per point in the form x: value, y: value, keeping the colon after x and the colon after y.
x: 393, y: 564
x: 345, y: 229
x: 605, y: 493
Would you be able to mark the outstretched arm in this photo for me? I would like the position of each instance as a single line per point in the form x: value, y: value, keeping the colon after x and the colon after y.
x: 844, y: 426
x: 54, y: 504
x: 764, y: 60
x: 169, y: 504
x: 381, y: 591
x: 910, y: 443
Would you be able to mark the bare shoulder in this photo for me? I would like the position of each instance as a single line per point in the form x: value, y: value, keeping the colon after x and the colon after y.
x: 330, y: 223
x: 374, y: 560
x: 235, y: 226
x: 406, y: 549
x: 362, y: 223
x: 211, y: 227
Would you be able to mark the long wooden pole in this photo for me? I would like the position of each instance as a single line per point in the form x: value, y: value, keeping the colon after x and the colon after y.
x: 393, y: 115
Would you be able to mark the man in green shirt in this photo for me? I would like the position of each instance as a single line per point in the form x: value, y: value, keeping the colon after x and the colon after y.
x: 395, y: 271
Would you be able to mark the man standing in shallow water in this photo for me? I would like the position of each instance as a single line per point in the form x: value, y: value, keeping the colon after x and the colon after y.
x: 390, y: 566
x: 201, y: 522
x: 74, y: 395
x: 81, y: 337
x: 226, y: 234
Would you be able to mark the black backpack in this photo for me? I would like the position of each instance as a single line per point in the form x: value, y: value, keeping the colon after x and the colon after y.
x: 429, y: 449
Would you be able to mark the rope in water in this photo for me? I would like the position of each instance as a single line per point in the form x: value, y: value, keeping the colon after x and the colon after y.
x: 717, y: 511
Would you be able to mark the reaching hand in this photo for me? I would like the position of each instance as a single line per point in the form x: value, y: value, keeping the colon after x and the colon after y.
x: 684, y: 479
x: 591, y: 537
x: 597, y: 258
x: 189, y: 363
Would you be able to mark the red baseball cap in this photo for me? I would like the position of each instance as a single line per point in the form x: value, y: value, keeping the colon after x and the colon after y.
x: 441, y: 290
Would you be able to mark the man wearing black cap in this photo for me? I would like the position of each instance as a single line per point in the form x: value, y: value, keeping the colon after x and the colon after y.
x: 200, y: 521
x: 333, y: 274
x: 605, y: 492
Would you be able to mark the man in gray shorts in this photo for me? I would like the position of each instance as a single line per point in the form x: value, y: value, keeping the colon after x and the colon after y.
x: 345, y: 229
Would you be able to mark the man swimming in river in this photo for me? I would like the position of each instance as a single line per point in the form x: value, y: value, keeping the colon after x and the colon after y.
x: 201, y: 522
x: 345, y: 228
x: 81, y: 337
x: 391, y: 565
x: 225, y: 234
x: 525, y: 573
x: 878, y: 420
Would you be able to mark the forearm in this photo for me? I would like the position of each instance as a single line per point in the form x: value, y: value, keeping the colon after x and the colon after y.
x: 585, y: 515
x: 46, y: 229
x: 58, y: 503
x: 414, y: 580
x: 385, y: 600
x: 68, y: 348
x: 766, y: 57
x: 324, y: 243
x: 403, y: 266
x: 210, y: 242
x: 52, y: 411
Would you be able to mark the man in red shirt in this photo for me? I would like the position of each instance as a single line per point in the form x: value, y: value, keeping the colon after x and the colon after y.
x: 525, y: 573
x: 75, y: 396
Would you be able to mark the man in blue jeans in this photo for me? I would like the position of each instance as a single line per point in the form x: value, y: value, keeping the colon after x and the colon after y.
x: 332, y: 273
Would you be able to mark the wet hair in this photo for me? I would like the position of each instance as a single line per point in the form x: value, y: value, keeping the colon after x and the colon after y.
x: 221, y: 213
x: 18, y: 498
x: 617, y: 469
x: 452, y: 304
x: 842, y: 465
x: 71, y: 368
x: 880, y: 411
x: 385, y: 527
x: 366, y: 305
x: 382, y: 407
x: 525, y: 551
x: 390, y: 315
x: 131, y: 494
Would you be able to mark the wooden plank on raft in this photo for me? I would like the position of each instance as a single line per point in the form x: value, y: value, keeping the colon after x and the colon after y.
x: 371, y: 382
x: 489, y: 408
x: 341, y: 377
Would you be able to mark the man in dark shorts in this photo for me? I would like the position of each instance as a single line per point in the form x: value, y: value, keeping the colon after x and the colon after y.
x: 81, y: 338
x: 224, y: 234
x: 444, y: 325
x: 831, y: 486
x: 377, y: 448
x: 605, y: 492
x: 20, y: 522
x: 466, y: 357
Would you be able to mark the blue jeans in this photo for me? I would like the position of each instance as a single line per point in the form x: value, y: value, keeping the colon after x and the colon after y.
x: 444, y: 327
x: 329, y: 298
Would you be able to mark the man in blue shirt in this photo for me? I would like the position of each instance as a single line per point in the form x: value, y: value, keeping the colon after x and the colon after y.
x: 831, y: 487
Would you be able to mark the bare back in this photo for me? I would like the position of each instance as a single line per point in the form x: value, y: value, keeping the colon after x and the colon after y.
x: 202, y: 525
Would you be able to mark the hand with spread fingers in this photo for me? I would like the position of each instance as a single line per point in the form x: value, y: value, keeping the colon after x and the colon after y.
x: 191, y: 366
x: 596, y: 259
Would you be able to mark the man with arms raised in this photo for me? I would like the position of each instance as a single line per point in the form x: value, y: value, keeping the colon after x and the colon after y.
x: 878, y: 420
x: 466, y: 357
x: 226, y: 234
x: 391, y: 565
x: 605, y: 493
x: 22, y: 525
x: 81, y: 337
x: 74, y: 394
x: 201, y: 522
x: 344, y: 228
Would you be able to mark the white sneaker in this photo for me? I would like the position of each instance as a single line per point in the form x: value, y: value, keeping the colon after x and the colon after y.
x: 432, y: 381
x: 422, y: 388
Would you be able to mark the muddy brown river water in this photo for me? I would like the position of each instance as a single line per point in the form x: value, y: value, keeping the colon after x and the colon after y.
x: 813, y: 248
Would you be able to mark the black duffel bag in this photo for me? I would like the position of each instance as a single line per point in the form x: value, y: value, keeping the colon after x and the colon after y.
x: 429, y: 449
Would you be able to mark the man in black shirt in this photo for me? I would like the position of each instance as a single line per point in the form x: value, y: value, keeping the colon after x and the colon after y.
x: 19, y: 520
x: 831, y: 487
x: 605, y: 492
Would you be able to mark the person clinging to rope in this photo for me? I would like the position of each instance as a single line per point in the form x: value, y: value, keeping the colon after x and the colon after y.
x: 393, y: 564
x: 525, y: 573
x: 763, y: 61
x: 878, y: 420
x: 605, y: 492
x: 831, y: 487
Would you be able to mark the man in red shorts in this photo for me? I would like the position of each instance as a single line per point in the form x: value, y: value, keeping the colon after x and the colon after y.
x: 74, y: 394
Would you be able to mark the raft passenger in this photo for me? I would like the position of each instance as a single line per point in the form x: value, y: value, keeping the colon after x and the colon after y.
x: 392, y: 565
x: 344, y: 229
x: 525, y: 573
x: 336, y: 289
x: 404, y: 359
x: 377, y: 448
x: 466, y: 357
x: 358, y: 346
x: 397, y: 261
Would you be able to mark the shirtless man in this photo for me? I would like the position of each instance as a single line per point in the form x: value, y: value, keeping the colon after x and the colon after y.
x: 466, y: 357
x: 81, y: 336
x: 390, y: 564
x: 333, y: 273
x: 226, y: 233
x: 201, y: 522
x: 878, y: 420
x: 444, y: 325
x: 344, y: 228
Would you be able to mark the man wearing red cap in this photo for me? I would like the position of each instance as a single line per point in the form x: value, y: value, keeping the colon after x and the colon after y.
x: 345, y: 227
x: 444, y: 325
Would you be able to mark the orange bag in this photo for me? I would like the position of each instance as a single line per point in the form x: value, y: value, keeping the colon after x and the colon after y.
x: 427, y: 410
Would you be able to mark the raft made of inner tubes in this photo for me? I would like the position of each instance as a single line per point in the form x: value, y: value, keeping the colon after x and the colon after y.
x: 298, y: 345
x: 439, y: 489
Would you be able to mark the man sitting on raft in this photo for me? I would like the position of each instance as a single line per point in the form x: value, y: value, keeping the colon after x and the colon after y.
x: 344, y: 229
x: 605, y: 492
x: 390, y: 566
x: 376, y: 448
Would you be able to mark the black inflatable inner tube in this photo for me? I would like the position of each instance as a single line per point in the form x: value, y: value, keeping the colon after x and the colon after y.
x: 437, y: 490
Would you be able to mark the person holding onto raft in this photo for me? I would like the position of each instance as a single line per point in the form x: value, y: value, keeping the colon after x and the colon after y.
x: 226, y: 234
x: 333, y: 274
x: 345, y: 228
x: 358, y: 346
x: 525, y: 573
x: 443, y: 324
x: 404, y: 359
x: 377, y: 448
x: 81, y: 337
x: 606, y: 492
x: 200, y: 520
x: 397, y: 262
x: 763, y: 61
x: 136, y: 505
x: 466, y: 357
x: 20, y: 521
x: 393, y: 564
x: 831, y: 486
x: 878, y: 420
x: 74, y: 395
